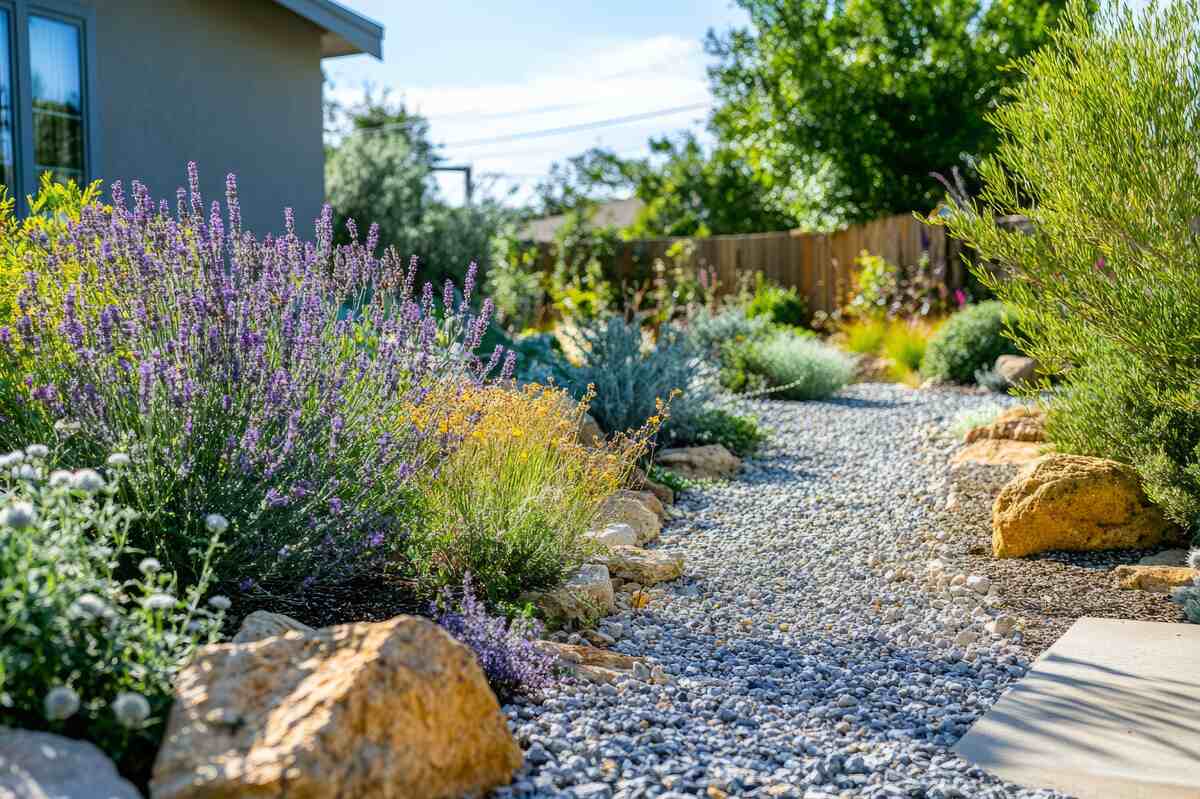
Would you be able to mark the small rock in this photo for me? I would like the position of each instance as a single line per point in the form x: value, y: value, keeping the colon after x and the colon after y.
x: 629, y: 508
x: 583, y: 598
x: 711, y: 461
x: 1155, y: 579
x: 42, y: 765
x: 614, y: 535
x: 978, y: 583
x: 261, y: 624
x: 642, y: 566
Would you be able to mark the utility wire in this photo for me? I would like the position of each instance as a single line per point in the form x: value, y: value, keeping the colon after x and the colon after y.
x: 583, y: 126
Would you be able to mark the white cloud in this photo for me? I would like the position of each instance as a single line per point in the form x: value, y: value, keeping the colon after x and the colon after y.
x: 590, y: 84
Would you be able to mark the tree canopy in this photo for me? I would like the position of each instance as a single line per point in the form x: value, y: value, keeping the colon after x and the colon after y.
x: 843, y: 108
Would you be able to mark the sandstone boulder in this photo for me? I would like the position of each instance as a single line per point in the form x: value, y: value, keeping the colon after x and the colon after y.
x: 709, y: 462
x: 41, y: 765
x: 591, y: 663
x: 614, y: 535
x: 998, y: 452
x: 262, y: 624
x: 1016, y: 369
x: 629, y: 507
x: 1015, y: 424
x: 584, y: 597
x: 1155, y: 579
x: 1073, y: 502
x: 642, y: 566
x: 641, y: 482
x: 396, y: 710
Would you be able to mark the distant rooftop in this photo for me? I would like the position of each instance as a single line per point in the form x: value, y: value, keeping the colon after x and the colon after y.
x: 616, y: 213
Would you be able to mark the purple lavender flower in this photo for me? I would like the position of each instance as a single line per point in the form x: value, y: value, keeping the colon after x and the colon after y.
x: 505, y: 650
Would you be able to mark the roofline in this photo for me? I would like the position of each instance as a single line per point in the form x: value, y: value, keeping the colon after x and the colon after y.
x: 346, y: 33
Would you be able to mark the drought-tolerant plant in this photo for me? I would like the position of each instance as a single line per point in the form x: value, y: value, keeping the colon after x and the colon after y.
x: 672, y: 480
x: 511, y: 504
x: 776, y: 304
x: 712, y: 330
x: 86, y: 650
x: 274, y: 381
x: 630, y: 378
x: 968, y: 341
x: 799, y: 368
x: 884, y: 289
x: 865, y: 336
x: 506, y: 649
x: 739, y: 434
x: 1099, y: 152
x: 969, y: 418
x: 514, y: 281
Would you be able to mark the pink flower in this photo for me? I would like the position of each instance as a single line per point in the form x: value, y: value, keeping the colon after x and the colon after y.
x: 960, y: 297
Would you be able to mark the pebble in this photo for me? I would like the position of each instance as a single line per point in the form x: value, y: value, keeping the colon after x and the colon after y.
x: 809, y: 651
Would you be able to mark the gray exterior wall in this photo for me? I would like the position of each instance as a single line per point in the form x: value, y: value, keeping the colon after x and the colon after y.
x: 234, y: 85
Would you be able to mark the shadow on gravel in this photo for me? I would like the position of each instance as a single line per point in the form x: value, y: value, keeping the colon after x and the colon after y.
x: 829, y: 669
x: 860, y: 402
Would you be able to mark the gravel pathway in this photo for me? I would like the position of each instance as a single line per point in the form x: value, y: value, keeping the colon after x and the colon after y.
x: 806, y: 659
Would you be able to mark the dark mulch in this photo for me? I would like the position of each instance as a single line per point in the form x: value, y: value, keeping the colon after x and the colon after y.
x: 1049, y: 591
x: 364, y: 599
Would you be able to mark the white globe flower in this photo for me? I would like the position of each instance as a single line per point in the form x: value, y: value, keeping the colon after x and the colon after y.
x: 27, y: 471
x: 219, y: 602
x: 149, y: 566
x: 160, y: 602
x: 18, y: 515
x: 216, y: 523
x: 61, y: 703
x: 118, y: 460
x: 37, y: 451
x: 60, y: 477
x: 131, y: 709
x: 90, y: 606
x: 87, y: 480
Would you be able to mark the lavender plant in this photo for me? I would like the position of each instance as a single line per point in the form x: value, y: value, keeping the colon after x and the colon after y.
x: 84, y: 652
x: 505, y: 649
x: 280, y: 382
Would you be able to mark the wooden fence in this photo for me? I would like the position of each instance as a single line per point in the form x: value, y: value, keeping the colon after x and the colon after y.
x: 820, y: 265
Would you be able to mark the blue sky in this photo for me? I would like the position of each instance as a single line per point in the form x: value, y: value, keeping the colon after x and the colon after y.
x: 522, y: 66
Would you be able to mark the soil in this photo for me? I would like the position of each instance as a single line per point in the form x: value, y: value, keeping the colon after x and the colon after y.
x: 1050, y: 590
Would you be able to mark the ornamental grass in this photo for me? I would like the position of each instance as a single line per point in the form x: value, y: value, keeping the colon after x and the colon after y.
x: 511, y: 504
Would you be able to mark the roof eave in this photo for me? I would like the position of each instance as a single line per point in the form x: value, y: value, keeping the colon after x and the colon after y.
x: 344, y: 32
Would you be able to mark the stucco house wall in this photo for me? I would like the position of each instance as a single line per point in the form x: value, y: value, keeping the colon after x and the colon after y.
x: 234, y: 85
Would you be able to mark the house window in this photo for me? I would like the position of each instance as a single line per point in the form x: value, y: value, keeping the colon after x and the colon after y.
x: 45, y: 110
x: 56, y: 91
x: 7, y: 144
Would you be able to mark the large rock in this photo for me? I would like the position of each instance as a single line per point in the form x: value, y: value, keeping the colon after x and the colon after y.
x: 263, y: 624
x: 1074, y: 502
x: 614, y: 535
x: 629, y: 507
x: 1021, y: 423
x: 998, y: 452
x: 642, y: 566
x: 709, y: 462
x: 1016, y: 369
x: 650, y: 500
x: 1155, y: 579
x: 41, y: 765
x: 394, y: 710
x: 584, y: 597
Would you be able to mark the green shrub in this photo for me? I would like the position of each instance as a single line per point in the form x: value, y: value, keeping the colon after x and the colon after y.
x: 737, y: 368
x: 672, y: 480
x: 741, y: 435
x: 514, y: 282
x: 1099, y: 151
x: 906, y: 344
x: 711, y: 331
x: 777, y: 305
x: 865, y: 336
x: 799, y: 368
x: 630, y: 379
x: 970, y: 340
x: 84, y: 652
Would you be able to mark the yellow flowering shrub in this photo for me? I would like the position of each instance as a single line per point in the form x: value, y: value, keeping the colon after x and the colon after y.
x: 512, y: 503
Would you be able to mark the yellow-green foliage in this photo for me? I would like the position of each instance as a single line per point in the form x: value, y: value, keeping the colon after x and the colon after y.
x: 901, y: 341
x: 511, y: 504
x: 865, y: 336
x: 24, y: 243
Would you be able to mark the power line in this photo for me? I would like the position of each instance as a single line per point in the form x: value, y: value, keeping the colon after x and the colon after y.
x: 578, y: 128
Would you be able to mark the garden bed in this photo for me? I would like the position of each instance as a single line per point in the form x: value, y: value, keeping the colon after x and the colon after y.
x: 1049, y: 591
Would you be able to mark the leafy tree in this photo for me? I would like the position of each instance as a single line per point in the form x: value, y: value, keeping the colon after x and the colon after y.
x: 381, y: 172
x: 686, y: 190
x: 845, y: 107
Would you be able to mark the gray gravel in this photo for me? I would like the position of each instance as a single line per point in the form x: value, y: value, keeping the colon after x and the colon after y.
x: 808, y: 660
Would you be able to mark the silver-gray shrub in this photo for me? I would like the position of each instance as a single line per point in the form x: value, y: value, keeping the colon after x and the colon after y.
x: 630, y: 375
x: 799, y: 368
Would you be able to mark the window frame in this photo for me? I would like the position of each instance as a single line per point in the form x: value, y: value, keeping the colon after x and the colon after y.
x: 84, y: 19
